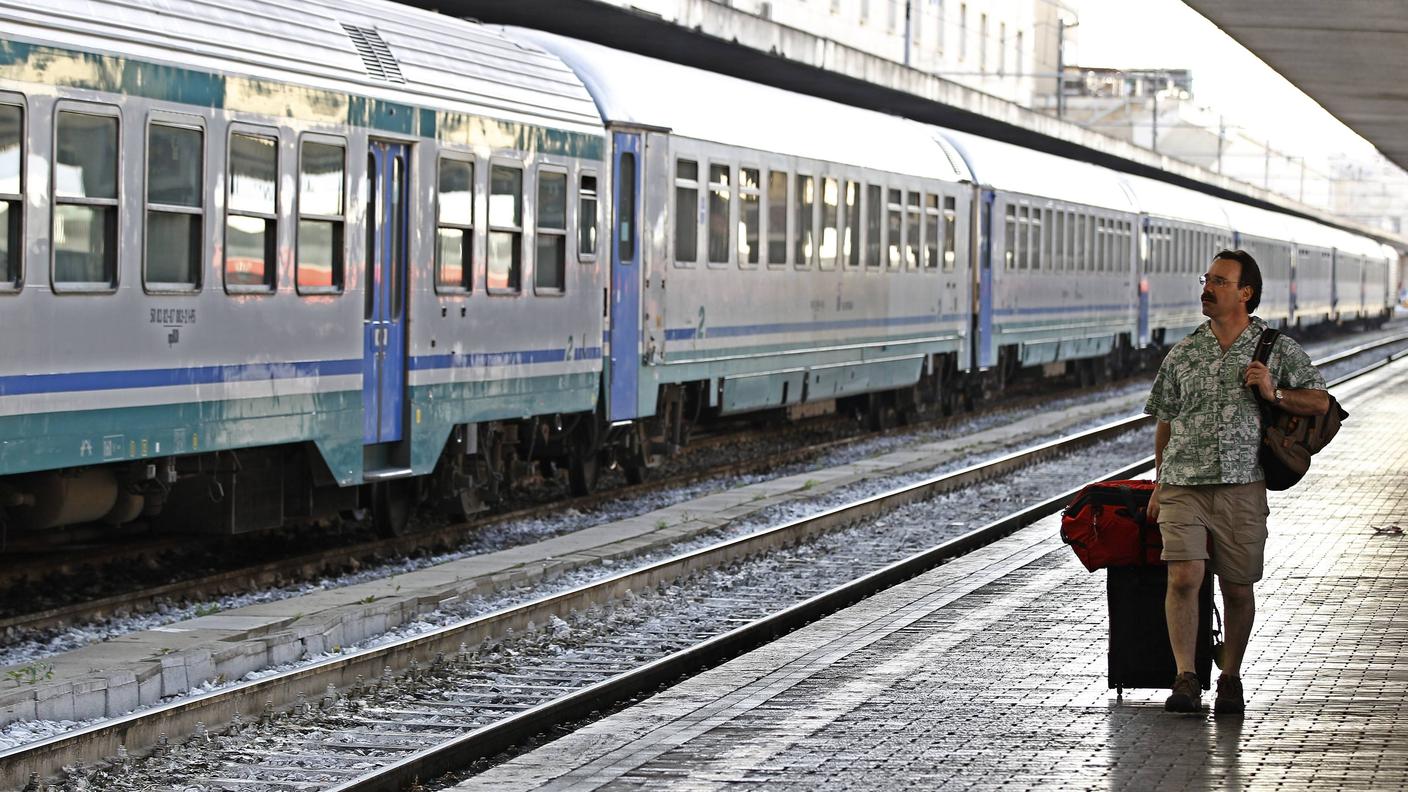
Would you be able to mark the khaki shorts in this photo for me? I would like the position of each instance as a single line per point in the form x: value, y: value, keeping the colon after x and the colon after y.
x: 1234, y: 515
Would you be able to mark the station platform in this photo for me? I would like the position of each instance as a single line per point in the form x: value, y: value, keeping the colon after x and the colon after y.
x: 989, y: 672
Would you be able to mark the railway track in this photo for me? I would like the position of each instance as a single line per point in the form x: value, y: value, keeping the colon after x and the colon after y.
x: 433, y: 706
x: 342, y: 557
x: 312, y: 565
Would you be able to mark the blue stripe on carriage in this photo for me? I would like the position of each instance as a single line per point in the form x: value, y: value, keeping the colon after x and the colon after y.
x: 488, y: 359
x: 1059, y: 309
x: 28, y: 384
x: 728, y: 331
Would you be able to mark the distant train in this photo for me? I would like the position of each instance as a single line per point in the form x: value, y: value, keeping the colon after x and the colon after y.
x: 273, y: 262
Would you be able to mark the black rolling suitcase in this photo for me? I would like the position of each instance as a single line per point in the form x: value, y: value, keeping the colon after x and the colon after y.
x: 1140, y: 654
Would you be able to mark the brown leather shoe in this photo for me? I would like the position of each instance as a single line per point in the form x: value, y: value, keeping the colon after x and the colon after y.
x: 1187, y: 694
x: 1229, y: 696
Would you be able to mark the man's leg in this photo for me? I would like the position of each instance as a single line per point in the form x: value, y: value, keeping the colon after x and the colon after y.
x: 1181, y: 610
x: 1240, y: 602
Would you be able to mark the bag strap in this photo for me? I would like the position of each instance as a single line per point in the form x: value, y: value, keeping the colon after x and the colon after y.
x: 1264, y: 345
x: 1262, y: 355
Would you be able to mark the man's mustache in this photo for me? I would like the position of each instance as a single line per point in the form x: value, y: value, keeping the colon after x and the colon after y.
x: 1209, y: 298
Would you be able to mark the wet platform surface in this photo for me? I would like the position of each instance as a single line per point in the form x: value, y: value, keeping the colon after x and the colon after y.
x: 989, y: 672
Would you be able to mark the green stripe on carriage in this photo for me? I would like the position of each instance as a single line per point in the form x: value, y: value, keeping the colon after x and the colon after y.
x: 56, y: 66
x: 437, y: 409
x: 87, y: 437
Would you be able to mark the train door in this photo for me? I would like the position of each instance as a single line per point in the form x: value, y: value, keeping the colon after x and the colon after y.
x: 986, y: 356
x: 625, y: 278
x: 384, y: 312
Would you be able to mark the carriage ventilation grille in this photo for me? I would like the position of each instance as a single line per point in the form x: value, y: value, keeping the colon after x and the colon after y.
x: 377, y: 57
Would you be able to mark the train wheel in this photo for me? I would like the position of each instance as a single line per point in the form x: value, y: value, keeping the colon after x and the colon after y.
x: 583, y: 472
x: 391, y: 506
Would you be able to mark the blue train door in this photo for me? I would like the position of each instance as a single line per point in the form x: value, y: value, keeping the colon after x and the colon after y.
x: 986, y: 357
x: 1143, y: 281
x: 384, y: 312
x: 625, y: 278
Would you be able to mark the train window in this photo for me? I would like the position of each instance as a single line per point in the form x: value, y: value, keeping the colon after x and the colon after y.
x: 504, y: 273
x: 914, y: 222
x: 1010, y: 241
x: 950, y: 233
x: 931, y: 231
x: 398, y: 232
x: 11, y: 194
x: 830, y: 248
x: 686, y: 211
x: 550, y: 263
x: 749, y: 217
x: 894, y: 229
x: 322, y: 200
x: 175, y: 215
x: 251, y: 219
x: 85, y: 201
x: 851, y: 236
x: 1024, y: 240
x: 803, y: 243
x: 586, y: 217
x: 454, y: 227
x: 1101, y: 244
x: 373, y: 210
x: 720, y: 195
x: 625, y: 231
x: 873, y: 222
x: 777, y: 217
x: 1057, y: 234
x: 1071, y: 229
x: 1039, y: 242
x: 1091, y: 244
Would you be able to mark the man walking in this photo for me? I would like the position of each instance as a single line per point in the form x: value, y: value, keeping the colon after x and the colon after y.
x: 1211, y: 500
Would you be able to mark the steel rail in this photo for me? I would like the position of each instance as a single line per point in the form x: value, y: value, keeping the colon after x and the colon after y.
x: 147, y: 728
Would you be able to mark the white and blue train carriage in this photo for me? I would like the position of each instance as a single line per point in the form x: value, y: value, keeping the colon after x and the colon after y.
x: 1362, y: 281
x: 1058, y: 277
x: 1182, y: 230
x: 1312, y: 272
x: 302, y: 242
x: 786, y: 249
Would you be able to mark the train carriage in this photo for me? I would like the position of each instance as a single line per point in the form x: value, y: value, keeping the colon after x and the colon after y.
x: 790, y: 249
x: 1058, y: 280
x: 1312, y: 284
x: 1181, y: 230
x: 241, y: 234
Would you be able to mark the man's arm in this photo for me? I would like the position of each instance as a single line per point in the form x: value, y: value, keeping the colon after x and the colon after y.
x: 1161, y: 433
x: 1296, y: 401
x: 1304, y: 401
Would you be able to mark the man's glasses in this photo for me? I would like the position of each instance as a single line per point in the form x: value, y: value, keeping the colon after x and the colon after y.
x: 1216, y: 280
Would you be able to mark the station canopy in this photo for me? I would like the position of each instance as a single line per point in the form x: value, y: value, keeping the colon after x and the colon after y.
x: 1351, y: 56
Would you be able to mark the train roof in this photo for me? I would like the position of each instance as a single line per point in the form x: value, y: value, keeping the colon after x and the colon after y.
x: 1161, y: 199
x: 1004, y: 166
x: 1258, y: 222
x: 635, y: 90
x: 359, y: 47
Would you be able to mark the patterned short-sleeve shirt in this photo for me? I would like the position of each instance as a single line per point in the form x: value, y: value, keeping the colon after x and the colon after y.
x: 1215, y: 419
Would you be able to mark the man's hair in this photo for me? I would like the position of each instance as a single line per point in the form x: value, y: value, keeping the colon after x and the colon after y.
x: 1251, y: 274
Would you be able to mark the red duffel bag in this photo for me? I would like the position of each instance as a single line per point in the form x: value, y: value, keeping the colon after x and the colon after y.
x: 1107, y: 527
